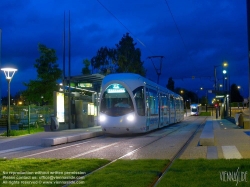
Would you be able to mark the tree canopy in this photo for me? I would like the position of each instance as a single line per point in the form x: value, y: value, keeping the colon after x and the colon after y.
x: 85, y: 70
x: 170, y: 84
x: 129, y: 57
x: 105, y: 61
x: 48, y: 72
x: 235, y: 94
x: 124, y: 58
x: 187, y: 95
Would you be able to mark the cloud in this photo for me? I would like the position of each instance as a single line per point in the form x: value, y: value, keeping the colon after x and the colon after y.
x: 208, y: 33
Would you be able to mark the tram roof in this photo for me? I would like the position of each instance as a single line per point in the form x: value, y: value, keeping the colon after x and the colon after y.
x: 135, y: 77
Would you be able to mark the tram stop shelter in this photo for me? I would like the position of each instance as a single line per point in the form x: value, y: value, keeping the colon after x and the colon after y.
x: 83, y: 96
x: 224, y: 109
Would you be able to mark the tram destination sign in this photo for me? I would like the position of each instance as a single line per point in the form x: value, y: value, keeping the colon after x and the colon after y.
x: 84, y: 85
x: 116, y: 88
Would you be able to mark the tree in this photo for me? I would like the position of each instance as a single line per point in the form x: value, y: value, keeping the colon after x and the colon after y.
x: 85, y: 70
x: 187, y: 95
x: 170, y: 84
x: 203, y: 100
x: 124, y: 58
x: 129, y: 57
x: 105, y: 61
x: 235, y: 94
x: 41, y: 90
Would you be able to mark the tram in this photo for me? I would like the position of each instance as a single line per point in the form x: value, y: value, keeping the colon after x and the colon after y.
x: 130, y: 103
x: 195, y: 109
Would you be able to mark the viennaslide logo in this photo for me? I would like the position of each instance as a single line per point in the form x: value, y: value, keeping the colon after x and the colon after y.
x: 234, y: 176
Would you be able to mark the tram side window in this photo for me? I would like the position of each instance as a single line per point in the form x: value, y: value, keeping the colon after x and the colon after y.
x: 177, y: 104
x: 171, y: 102
x: 139, y: 100
x: 182, y: 105
x: 164, y: 104
x: 152, y: 102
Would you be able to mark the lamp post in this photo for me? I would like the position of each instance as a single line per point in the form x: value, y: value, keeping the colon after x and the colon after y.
x: 9, y: 73
x: 224, y: 73
x: 185, y: 105
x: 225, y: 64
x: 215, y: 82
x: 206, y: 98
x: 241, y: 88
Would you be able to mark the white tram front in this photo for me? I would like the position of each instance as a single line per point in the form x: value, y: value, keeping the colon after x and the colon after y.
x: 195, y: 109
x: 129, y: 103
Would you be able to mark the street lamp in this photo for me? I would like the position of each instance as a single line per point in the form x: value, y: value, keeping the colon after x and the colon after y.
x: 224, y: 73
x: 225, y: 64
x: 41, y: 100
x: 9, y: 73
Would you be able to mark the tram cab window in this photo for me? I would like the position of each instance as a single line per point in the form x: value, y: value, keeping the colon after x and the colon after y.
x: 194, y: 109
x: 116, y: 101
x: 139, y: 100
x: 123, y: 103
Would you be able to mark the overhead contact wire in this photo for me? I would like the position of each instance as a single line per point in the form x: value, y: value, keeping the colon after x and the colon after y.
x: 125, y: 27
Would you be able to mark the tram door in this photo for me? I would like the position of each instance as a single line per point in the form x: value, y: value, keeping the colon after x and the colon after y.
x: 152, y: 106
x: 147, y: 110
x: 177, y: 109
x: 161, y: 110
x: 172, y: 109
x: 164, y: 113
x: 148, y: 115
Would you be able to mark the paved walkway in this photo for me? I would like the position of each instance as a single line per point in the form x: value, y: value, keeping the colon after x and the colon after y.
x: 230, y: 142
x: 37, y: 139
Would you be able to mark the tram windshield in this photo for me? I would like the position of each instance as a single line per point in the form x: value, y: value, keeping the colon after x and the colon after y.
x: 193, y: 109
x: 116, y: 101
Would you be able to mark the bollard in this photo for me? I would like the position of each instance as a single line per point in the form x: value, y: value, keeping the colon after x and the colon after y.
x: 29, y: 119
x: 216, y: 113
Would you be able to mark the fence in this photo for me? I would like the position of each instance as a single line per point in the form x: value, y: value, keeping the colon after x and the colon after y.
x: 21, y: 116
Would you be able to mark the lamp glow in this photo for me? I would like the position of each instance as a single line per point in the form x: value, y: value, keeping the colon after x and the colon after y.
x: 102, y: 118
x: 130, y: 117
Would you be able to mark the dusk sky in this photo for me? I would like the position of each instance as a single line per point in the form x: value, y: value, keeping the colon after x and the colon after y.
x: 192, y: 35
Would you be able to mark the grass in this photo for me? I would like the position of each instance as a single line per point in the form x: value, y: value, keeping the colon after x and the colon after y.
x: 205, y: 114
x: 205, y: 173
x: 132, y: 173
x: 45, y: 168
x: 24, y: 132
x: 126, y: 173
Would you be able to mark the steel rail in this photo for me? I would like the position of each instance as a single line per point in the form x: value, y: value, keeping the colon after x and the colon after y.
x: 129, y: 153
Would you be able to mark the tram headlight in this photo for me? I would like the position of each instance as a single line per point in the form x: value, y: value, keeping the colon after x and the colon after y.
x: 102, y: 118
x: 130, y: 117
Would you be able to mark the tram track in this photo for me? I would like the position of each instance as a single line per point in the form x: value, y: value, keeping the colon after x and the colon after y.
x: 75, y: 144
x: 177, y: 127
x: 177, y: 155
